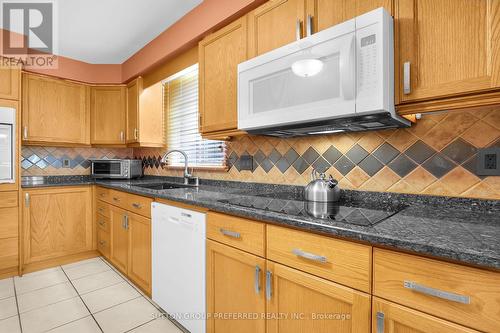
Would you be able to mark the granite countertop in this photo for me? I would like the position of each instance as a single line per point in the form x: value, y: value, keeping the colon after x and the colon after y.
x: 464, y: 230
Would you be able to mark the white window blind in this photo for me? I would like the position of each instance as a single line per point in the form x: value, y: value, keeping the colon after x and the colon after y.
x: 181, y: 107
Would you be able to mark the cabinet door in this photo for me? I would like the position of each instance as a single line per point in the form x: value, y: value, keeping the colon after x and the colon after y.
x: 55, y: 111
x: 219, y: 56
x: 235, y: 284
x: 151, y: 117
x: 300, y: 302
x: 119, y: 238
x: 57, y: 222
x: 9, y: 80
x: 389, y: 317
x: 450, y: 46
x: 108, y: 115
x: 139, y: 264
x: 327, y: 13
x: 274, y: 24
x: 133, y: 92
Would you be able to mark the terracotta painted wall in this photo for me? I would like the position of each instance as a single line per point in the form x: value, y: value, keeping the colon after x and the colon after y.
x: 436, y: 156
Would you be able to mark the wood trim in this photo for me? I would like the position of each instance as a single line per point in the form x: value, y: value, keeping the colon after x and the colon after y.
x: 223, y: 135
x: 60, y: 261
x: 451, y: 103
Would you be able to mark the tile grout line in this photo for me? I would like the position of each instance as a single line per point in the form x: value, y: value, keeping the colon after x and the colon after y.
x: 81, y: 299
x: 157, y: 307
x: 17, y: 305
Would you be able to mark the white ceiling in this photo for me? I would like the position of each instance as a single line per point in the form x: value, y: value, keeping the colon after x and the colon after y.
x: 110, y: 31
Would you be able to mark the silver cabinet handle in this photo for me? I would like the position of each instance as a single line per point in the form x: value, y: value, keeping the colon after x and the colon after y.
x: 116, y: 199
x: 27, y: 199
x: 406, y: 78
x: 269, y: 291
x: 257, y: 280
x: 101, y: 210
x: 298, y: 29
x: 136, y: 205
x: 310, y: 256
x: 25, y: 132
x: 380, y: 322
x: 126, y: 221
x: 136, y: 133
x: 230, y: 233
x: 102, y: 195
x: 309, y: 29
x: 102, y: 243
x: 436, y: 292
x: 122, y: 136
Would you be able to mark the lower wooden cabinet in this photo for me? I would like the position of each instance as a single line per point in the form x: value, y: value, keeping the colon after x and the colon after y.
x: 390, y: 317
x: 235, y: 285
x: 56, y: 222
x: 301, y: 302
x: 129, y: 242
x: 9, y: 231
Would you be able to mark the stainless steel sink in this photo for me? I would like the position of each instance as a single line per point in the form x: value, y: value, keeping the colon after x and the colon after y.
x: 163, y: 186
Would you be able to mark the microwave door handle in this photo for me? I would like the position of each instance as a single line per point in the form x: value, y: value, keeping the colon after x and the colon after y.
x: 348, y: 68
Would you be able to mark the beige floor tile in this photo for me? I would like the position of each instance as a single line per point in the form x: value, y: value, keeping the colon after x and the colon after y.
x: 126, y: 316
x: 110, y: 296
x: 85, y: 325
x: 97, y: 281
x: 10, y: 325
x: 54, y: 315
x: 6, y: 288
x: 83, y: 262
x: 46, y: 296
x: 8, y: 308
x: 89, y: 268
x: 39, y: 280
x: 160, y: 325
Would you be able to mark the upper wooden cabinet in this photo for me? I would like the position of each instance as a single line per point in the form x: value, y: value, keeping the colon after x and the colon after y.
x: 219, y: 56
x: 145, y: 116
x: 56, y: 222
x: 108, y: 115
x: 450, y: 47
x: 326, y: 13
x: 10, y: 79
x: 54, y: 111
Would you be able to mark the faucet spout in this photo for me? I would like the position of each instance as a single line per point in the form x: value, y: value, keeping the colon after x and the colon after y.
x: 187, y: 175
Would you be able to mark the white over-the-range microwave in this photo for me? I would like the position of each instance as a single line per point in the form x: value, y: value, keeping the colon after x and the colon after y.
x: 339, y: 79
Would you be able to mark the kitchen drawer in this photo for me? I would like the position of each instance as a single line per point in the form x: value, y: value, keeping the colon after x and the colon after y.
x: 9, y: 250
x: 118, y: 198
x: 9, y: 222
x: 103, y: 194
x: 8, y: 199
x: 103, y: 242
x: 103, y: 209
x: 465, y: 295
x: 340, y: 261
x: 139, y: 205
x: 103, y: 222
x: 241, y: 233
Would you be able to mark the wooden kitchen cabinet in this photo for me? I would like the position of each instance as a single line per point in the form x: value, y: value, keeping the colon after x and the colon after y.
x: 235, y: 284
x: 139, y: 261
x: 145, y: 116
x: 451, y: 48
x: 219, y: 56
x: 306, y: 303
x: 55, y: 111
x: 393, y: 318
x: 119, y: 238
x: 56, y: 222
x: 10, y: 79
x: 108, y: 115
x: 9, y: 232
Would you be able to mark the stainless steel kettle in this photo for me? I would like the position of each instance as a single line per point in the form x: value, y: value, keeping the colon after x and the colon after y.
x: 321, y: 189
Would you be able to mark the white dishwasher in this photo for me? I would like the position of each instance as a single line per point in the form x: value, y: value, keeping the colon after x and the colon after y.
x: 178, y: 270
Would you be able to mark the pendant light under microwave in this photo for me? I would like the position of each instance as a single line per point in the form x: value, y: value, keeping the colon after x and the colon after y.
x: 307, y: 67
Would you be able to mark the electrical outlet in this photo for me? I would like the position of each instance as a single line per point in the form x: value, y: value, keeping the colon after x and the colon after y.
x: 65, y: 163
x: 488, y: 162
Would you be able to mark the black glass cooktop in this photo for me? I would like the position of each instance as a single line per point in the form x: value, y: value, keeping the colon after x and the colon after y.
x: 352, y: 212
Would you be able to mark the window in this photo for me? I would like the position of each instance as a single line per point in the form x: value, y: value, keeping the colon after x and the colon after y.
x: 181, y: 107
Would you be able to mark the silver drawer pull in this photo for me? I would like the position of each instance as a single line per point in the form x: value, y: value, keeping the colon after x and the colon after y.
x: 230, y: 233
x: 380, y: 322
x: 101, y: 210
x: 406, y: 78
x: 269, y: 286
x: 102, y: 243
x: 116, y: 199
x: 136, y: 205
x: 436, y: 292
x: 257, y: 280
x: 310, y: 256
x: 102, y: 195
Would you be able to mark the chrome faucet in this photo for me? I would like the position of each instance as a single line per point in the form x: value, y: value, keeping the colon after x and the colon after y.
x: 187, y: 175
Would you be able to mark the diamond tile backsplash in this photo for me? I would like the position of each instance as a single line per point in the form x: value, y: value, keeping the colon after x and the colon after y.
x: 436, y: 156
x: 48, y: 161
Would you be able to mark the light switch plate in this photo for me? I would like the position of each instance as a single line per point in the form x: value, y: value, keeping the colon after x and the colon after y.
x: 65, y: 163
x: 488, y: 162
